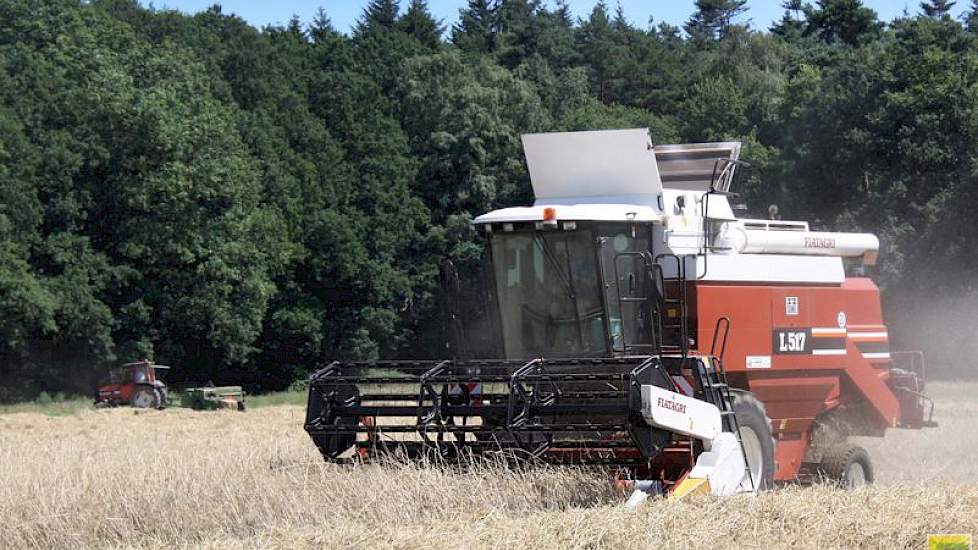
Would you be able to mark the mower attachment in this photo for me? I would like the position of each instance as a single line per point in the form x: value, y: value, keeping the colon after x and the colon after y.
x: 209, y: 398
x: 579, y: 411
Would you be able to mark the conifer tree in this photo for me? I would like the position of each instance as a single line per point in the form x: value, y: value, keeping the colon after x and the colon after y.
x: 477, y: 26
x: 713, y: 18
x: 378, y: 14
x: 418, y: 22
x: 937, y: 8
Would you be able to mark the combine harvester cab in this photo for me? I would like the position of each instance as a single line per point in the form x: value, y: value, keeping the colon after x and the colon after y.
x: 629, y: 319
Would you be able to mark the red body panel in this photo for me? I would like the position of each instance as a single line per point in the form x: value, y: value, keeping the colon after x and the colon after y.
x: 803, y: 350
x: 117, y: 394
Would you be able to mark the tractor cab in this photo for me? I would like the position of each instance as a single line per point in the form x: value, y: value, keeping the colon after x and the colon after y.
x: 141, y: 372
x: 139, y: 384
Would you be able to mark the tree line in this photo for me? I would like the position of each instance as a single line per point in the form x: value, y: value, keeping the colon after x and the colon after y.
x: 245, y: 203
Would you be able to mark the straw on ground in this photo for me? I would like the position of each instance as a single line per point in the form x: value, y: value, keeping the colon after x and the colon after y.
x: 225, y: 479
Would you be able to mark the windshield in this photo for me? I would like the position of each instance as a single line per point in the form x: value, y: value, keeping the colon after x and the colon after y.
x: 549, y: 294
x: 139, y: 375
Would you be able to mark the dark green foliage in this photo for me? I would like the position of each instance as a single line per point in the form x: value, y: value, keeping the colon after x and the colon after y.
x: 937, y: 8
x: 464, y: 121
x: 792, y: 25
x: 713, y: 18
x: 599, y: 51
x: 418, y: 23
x: 378, y: 15
x: 248, y: 203
x: 848, y: 21
x: 321, y: 29
x: 477, y: 26
x: 971, y: 17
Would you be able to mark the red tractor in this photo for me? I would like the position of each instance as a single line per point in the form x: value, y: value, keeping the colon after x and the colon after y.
x: 137, y: 384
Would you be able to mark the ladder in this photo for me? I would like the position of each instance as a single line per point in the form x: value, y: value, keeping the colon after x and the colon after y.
x: 716, y: 389
x: 675, y: 303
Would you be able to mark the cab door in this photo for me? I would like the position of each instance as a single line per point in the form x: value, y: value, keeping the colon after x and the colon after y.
x: 625, y: 260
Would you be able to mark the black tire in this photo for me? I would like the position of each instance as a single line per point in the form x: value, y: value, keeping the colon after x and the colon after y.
x: 755, y: 434
x: 145, y: 397
x: 164, y: 398
x: 241, y: 406
x: 847, y: 465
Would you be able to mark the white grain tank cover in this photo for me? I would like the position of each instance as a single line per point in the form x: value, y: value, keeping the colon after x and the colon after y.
x: 809, y: 243
x: 609, y: 167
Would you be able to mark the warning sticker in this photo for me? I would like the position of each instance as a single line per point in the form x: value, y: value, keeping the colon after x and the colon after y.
x: 758, y: 361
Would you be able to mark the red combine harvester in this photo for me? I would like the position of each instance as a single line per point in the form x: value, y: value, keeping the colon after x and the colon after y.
x: 630, y: 319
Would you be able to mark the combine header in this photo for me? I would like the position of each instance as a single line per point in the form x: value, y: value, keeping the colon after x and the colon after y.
x: 629, y: 319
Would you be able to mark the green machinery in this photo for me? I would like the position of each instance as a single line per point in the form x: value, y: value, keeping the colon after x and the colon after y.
x: 213, y: 398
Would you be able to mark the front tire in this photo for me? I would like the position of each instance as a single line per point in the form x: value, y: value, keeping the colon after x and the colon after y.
x: 847, y: 465
x: 145, y: 398
x: 755, y: 435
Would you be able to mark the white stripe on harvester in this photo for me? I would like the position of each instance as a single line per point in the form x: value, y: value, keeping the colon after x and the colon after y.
x: 884, y: 355
x: 829, y: 331
x: 828, y: 352
x: 858, y: 335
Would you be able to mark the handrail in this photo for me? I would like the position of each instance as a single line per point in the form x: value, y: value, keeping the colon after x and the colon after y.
x: 725, y: 321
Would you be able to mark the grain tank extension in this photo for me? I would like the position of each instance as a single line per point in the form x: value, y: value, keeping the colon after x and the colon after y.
x: 630, y: 319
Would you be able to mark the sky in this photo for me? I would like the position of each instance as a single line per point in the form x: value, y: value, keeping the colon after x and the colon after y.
x: 344, y: 13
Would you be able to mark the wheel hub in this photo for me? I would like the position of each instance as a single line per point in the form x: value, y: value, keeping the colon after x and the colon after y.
x: 144, y: 399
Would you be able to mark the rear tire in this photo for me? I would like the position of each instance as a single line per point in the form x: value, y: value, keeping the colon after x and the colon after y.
x: 755, y: 435
x: 848, y: 466
x: 145, y: 398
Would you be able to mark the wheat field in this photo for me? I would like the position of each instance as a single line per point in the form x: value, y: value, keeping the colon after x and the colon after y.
x: 178, y: 478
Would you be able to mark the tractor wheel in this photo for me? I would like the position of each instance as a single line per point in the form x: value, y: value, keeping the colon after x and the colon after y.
x: 847, y: 465
x: 145, y: 398
x: 164, y: 398
x: 755, y: 435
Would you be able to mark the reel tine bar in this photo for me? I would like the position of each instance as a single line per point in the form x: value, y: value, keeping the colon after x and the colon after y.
x: 548, y: 409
